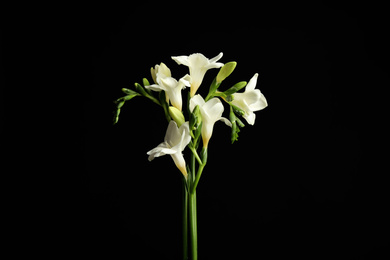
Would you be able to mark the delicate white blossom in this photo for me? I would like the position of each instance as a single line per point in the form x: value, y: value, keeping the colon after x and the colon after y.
x: 171, y: 86
x: 250, y: 101
x: 211, y: 112
x: 176, y: 139
x: 198, y: 64
x: 159, y: 72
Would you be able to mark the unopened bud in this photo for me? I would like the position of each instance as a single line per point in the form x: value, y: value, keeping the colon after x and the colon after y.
x: 235, y: 88
x: 226, y: 70
x: 176, y: 115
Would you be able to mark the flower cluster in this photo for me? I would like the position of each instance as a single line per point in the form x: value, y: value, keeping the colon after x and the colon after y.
x: 203, y: 112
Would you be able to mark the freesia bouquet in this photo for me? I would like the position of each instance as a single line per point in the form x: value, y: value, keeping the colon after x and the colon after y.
x: 202, y: 114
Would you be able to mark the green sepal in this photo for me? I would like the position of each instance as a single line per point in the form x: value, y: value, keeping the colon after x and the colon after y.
x: 235, y: 88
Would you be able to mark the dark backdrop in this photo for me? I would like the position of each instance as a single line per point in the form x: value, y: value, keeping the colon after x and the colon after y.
x: 302, y: 182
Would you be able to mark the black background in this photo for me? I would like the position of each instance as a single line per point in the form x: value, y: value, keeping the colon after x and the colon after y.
x: 305, y: 181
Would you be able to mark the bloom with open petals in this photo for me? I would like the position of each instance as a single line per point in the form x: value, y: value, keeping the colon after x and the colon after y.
x: 211, y: 112
x: 172, y: 88
x: 250, y: 101
x: 176, y: 139
x: 198, y: 64
x: 159, y: 72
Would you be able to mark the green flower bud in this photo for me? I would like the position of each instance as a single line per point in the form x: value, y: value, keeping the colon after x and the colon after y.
x: 145, y: 81
x: 235, y: 88
x: 176, y: 115
x: 129, y: 92
x: 226, y: 70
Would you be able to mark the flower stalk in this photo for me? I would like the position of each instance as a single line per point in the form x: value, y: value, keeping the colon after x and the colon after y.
x: 203, y: 114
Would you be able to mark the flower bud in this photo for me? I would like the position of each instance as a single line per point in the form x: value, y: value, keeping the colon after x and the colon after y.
x: 226, y: 70
x: 145, y: 81
x: 235, y: 88
x: 176, y: 115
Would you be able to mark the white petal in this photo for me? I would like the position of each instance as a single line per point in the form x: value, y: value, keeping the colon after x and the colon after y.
x: 185, y: 81
x: 172, y: 136
x: 250, y: 118
x: 207, y: 131
x: 251, y: 97
x: 156, y: 87
x: 196, y: 100
x: 169, y: 82
x: 198, y: 60
x: 164, y: 71
x: 226, y: 121
x: 216, y: 58
x: 181, y: 60
x: 186, y: 137
x: 260, y: 104
x: 175, y: 97
x: 160, y: 150
x: 252, y: 83
x: 215, y: 65
x: 180, y: 162
x: 184, y: 141
x: 213, y: 109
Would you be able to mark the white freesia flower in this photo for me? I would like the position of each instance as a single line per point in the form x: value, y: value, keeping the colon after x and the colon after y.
x: 198, y: 65
x: 172, y: 87
x: 159, y: 72
x: 250, y: 101
x: 176, y: 139
x: 211, y: 112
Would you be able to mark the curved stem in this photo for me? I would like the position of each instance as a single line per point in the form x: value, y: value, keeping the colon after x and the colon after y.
x: 200, y: 169
x: 193, y: 150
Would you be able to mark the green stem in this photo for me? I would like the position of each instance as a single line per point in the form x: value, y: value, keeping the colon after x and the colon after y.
x: 200, y: 169
x: 192, y: 210
x: 193, y: 150
x: 185, y: 220
x: 193, y: 226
